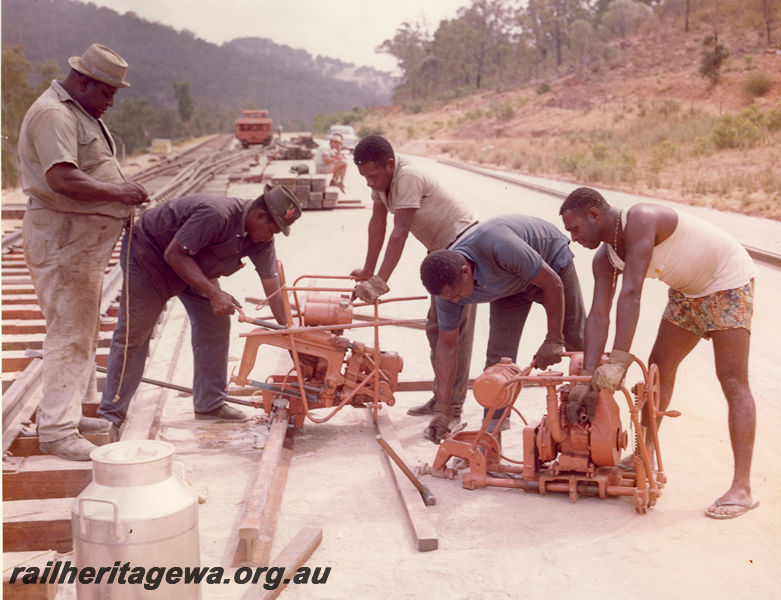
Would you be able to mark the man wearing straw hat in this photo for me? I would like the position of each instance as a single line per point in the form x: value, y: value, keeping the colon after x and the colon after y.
x: 78, y: 203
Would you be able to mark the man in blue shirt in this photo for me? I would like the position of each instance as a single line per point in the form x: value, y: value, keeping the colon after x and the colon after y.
x: 180, y: 248
x: 509, y: 261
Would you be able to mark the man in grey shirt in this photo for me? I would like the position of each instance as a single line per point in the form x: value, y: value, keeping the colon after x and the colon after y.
x: 181, y: 248
x: 510, y: 261
x: 422, y: 206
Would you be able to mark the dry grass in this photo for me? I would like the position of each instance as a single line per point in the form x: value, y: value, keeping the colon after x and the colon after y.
x: 640, y: 128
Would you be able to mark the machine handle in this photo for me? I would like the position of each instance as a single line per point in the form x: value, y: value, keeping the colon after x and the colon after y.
x: 267, y: 324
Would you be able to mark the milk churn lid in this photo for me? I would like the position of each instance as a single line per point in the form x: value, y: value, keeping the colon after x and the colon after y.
x: 132, y: 452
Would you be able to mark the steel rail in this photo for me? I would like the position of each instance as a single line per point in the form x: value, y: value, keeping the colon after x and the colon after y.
x: 19, y: 399
x: 763, y: 256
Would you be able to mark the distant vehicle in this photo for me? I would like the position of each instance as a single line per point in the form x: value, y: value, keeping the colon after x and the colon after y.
x: 253, y: 127
x: 349, y: 139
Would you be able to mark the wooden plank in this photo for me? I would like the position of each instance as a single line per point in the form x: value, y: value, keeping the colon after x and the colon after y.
x: 22, y: 311
x: 54, y: 534
x: 27, y: 591
x: 18, y: 360
x: 24, y: 326
x: 422, y: 529
x: 273, y: 506
x: 37, y: 525
x: 21, y: 405
x: 291, y: 558
x: 25, y: 383
x: 34, y: 341
x: 18, y: 298
x: 147, y: 404
x: 251, y: 525
x: 46, y: 477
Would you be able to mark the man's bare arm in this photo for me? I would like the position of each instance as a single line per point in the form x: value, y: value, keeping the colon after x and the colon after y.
x: 66, y: 179
x: 598, y: 320
x: 185, y: 266
x: 402, y: 220
x: 639, y: 237
x: 377, y: 224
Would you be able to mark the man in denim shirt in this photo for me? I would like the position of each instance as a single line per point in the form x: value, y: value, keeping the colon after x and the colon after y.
x: 510, y: 261
x: 180, y: 248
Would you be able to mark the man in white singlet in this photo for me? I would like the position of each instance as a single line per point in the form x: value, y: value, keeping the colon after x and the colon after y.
x: 711, y: 279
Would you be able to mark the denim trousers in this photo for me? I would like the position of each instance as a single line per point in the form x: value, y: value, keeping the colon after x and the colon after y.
x: 466, y: 336
x: 508, y: 317
x: 140, y: 308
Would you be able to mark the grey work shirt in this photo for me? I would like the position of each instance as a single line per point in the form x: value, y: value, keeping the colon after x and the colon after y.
x: 211, y: 228
x: 57, y: 130
x: 507, y: 253
x: 439, y: 217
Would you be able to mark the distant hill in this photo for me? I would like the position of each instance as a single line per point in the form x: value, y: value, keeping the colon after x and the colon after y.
x: 247, y: 72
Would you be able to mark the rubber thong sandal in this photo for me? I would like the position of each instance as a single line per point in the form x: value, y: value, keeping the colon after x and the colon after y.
x: 743, y: 508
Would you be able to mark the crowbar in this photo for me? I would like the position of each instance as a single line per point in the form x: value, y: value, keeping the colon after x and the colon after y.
x: 428, y: 497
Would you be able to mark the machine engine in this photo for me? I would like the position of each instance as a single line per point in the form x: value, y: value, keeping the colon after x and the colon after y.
x: 580, y: 457
x: 329, y: 369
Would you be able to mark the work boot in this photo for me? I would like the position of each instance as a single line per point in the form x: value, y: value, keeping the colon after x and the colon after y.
x: 71, y: 447
x: 427, y: 408
x: 93, y: 425
x: 223, y: 413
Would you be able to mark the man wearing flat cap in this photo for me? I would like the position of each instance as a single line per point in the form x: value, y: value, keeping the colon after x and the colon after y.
x: 78, y: 203
x: 180, y: 248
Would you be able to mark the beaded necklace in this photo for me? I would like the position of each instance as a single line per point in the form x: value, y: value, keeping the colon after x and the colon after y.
x: 615, y: 247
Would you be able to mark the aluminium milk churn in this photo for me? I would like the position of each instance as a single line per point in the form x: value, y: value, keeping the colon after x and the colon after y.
x: 138, y: 521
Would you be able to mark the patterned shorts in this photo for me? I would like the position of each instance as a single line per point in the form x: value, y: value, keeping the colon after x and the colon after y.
x: 727, y: 309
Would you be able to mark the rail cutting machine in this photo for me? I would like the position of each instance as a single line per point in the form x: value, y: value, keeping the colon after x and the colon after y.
x: 329, y: 370
x: 580, y: 457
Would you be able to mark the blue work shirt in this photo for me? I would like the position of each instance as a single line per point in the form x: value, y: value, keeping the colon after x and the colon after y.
x: 210, y: 228
x: 507, y: 253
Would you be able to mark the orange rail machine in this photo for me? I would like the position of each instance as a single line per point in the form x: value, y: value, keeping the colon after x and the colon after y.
x: 329, y: 370
x: 558, y: 456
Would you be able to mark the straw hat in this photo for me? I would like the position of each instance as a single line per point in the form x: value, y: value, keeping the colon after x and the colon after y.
x: 102, y: 64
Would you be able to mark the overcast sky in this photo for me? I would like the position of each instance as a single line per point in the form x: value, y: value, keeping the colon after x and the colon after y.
x: 349, y: 30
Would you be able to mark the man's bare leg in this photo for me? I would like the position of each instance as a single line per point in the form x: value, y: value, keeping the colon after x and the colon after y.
x: 672, y: 345
x: 731, y: 349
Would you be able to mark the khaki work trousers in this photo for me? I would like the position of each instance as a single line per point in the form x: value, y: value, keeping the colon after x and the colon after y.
x: 67, y: 254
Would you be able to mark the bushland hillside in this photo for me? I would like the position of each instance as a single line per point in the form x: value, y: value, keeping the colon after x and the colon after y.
x: 692, y: 116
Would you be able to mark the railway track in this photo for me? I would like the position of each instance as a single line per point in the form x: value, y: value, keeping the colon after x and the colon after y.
x: 761, y: 255
x: 38, y: 489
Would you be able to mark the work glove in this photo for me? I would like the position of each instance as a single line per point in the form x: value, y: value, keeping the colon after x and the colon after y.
x: 371, y: 289
x: 550, y: 352
x: 608, y: 376
x: 438, y: 427
x: 581, y: 396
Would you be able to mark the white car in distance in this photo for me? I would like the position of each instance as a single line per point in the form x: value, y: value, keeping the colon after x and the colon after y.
x: 349, y: 139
